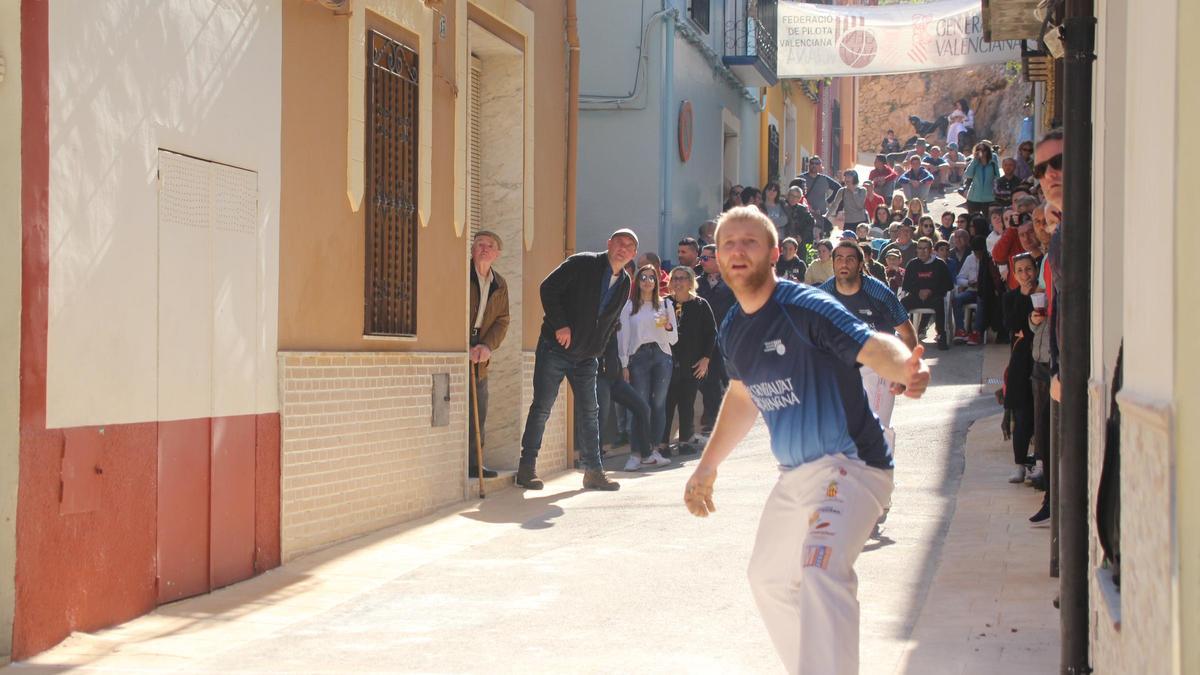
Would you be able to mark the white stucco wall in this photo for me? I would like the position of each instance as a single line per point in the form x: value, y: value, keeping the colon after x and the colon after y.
x: 127, y: 78
x: 619, y: 149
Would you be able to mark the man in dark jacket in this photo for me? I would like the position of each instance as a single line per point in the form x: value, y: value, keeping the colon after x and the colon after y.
x: 926, y: 282
x: 720, y: 299
x: 581, y: 299
x: 489, y: 324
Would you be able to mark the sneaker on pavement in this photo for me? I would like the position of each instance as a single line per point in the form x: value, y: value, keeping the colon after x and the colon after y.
x: 633, y: 463
x: 974, y: 338
x: 1035, y: 474
x: 698, y: 439
x: 686, y: 448
x: 1042, y: 516
x: 960, y: 336
x: 655, y: 459
x: 1018, y: 475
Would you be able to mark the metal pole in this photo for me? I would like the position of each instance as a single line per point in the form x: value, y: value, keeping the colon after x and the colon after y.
x: 1079, y: 35
x: 1052, y: 471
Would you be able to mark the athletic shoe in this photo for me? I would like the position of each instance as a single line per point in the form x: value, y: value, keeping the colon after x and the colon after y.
x: 1042, y: 516
x: 960, y: 336
x: 974, y: 338
x: 655, y: 460
x: 634, y: 462
x: 1035, y: 474
x: 1018, y: 475
x: 685, y: 448
x: 698, y: 439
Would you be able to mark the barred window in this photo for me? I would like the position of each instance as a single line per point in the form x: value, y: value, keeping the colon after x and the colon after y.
x: 390, y: 302
x: 698, y: 13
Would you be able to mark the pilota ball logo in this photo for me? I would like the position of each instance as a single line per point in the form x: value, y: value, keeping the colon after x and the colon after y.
x: 858, y: 48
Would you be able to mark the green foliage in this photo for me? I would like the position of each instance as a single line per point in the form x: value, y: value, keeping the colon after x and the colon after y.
x: 810, y: 253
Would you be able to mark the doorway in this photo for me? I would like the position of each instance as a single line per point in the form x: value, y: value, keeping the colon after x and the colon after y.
x: 495, y: 201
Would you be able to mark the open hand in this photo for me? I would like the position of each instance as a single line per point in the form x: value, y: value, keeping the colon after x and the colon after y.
x: 700, y: 370
x: 699, y: 491
x: 917, y: 374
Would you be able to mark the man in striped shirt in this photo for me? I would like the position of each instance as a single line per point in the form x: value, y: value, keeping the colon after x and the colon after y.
x: 791, y: 352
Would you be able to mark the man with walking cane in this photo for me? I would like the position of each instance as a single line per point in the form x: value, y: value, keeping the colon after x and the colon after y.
x: 489, y: 324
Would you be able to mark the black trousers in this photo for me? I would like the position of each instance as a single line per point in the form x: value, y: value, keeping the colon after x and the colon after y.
x: 712, y: 388
x: 936, y: 303
x: 1022, y: 433
x: 481, y: 388
x: 1041, y: 412
x: 682, y: 395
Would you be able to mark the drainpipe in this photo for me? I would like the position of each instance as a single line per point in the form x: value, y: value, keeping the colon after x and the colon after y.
x: 1079, y: 30
x: 666, y: 109
x: 572, y: 124
x: 572, y: 21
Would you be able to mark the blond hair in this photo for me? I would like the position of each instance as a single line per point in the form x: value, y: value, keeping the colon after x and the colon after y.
x: 749, y: 214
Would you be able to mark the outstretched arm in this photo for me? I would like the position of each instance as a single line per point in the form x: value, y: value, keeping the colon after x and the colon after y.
x: 888, y: 356
x: 737, y: 415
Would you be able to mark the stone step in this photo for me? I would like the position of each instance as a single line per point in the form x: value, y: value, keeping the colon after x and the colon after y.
x: 503, y: 481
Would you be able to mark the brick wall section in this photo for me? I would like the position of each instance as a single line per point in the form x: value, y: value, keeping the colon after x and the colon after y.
x: 553, y: 457
x: 358, y: 449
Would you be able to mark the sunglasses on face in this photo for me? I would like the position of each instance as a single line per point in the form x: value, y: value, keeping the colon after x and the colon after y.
x: 705, y: 258
x: 1040, y: 168
x: 645, y: 277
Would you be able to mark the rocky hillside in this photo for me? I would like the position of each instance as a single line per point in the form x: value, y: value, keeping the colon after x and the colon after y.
x: 886, y: 101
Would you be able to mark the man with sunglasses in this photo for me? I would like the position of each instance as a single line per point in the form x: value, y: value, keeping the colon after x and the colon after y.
x: 720, y: 298
x: 1024, y: 160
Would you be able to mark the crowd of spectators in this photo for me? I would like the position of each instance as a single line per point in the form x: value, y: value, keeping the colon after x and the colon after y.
x: 971, y: 273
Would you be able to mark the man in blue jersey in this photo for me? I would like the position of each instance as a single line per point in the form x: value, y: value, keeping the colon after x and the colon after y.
x: 872, y: 301
x: 791, y: 352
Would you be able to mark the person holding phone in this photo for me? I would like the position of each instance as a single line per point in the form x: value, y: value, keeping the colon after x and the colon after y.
x: 1018, y: 387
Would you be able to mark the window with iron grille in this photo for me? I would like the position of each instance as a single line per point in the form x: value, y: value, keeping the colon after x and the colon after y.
x: 772, y: 153
x: 390, y: 302
x: 698, y: 13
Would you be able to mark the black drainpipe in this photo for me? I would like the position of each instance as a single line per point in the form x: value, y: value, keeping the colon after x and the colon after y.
x: 1079, y: 31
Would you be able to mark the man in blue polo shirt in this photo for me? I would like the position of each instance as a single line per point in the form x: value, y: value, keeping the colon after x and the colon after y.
x: 872, y: 301
x: 791, y: 352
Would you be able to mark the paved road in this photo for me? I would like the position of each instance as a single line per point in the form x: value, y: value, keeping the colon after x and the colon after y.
x: 563, y: 580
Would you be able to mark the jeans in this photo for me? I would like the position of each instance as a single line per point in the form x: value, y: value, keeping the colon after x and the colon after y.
x: 626, y: 396
x: 1041, y: 412
x: 935, y: 302
x: 650, y: 374
x: 481, y: 389
x: 551, y: 365
x: 961, y: 299
x: 682, y: 395
x: 919, y: 190
x: 712, y: 388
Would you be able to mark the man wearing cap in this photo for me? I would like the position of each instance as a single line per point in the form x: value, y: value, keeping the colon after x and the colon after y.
x: 489, y: 324
x: 581, y: 299
x: 903, y: 244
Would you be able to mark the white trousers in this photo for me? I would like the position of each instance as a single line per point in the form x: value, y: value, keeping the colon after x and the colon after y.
x: 882, y: 402
x: 802, y: 575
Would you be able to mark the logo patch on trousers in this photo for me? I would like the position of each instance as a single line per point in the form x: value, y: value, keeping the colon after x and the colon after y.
x: 817, y: 556
x: 832, y: 490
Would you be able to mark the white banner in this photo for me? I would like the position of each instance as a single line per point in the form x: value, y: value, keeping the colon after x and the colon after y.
x: 825, y: 41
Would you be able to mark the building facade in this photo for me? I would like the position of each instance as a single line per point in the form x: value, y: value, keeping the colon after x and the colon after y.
x: 239, y: 243
x: 1143, y: 277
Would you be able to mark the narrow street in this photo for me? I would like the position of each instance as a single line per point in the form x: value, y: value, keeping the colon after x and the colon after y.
x: 572, y: 581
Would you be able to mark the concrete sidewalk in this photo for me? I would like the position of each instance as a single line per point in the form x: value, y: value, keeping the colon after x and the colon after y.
x: 568, y: 581
x: 990, y: 607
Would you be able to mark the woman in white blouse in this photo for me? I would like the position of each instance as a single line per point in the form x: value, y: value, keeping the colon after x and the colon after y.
x: 644, y: 345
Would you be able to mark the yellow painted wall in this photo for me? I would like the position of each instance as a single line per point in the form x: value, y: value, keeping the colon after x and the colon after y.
x: 322, y: 239
x: 1187, y: 326
x: 806, y: 122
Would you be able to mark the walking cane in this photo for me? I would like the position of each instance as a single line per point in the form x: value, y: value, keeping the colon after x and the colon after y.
x: 478, y: 435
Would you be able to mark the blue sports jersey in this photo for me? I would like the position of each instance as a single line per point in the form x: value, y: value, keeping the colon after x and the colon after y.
x: 874, y: 303
x: 798, y: 357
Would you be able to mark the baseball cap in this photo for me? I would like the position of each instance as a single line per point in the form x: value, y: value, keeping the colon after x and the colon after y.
x: 626, y: 232
x: 849, y: 234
